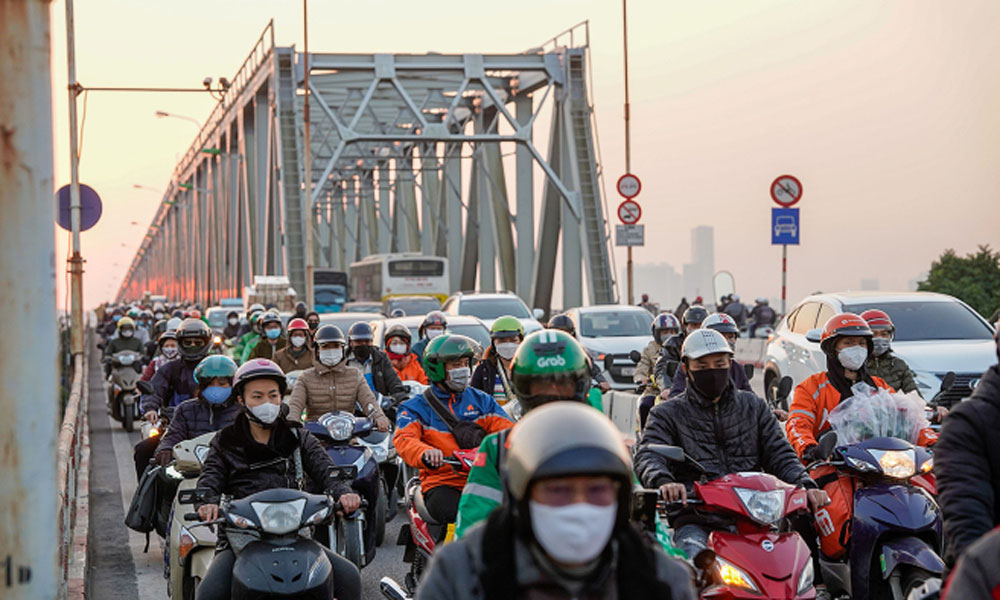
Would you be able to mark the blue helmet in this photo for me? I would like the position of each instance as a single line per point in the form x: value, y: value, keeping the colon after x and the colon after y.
x: 360, y: 331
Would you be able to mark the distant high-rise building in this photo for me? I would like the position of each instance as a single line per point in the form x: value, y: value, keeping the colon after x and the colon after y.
x: 702, y: 262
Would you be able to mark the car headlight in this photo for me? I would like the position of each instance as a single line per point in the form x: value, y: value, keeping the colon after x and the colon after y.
x: 805, y: 579
x: 279, y: 518
x: 766, y: 508
x: 734, y: 576
x: 898, y: 464
x: 340, y: 425
x: 201, y: 453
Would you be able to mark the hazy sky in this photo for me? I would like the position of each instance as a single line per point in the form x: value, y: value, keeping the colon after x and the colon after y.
x: 886, y: 111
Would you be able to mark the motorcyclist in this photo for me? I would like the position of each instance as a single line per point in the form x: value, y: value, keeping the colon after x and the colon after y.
x: 762, y: 315
x: 112, y: 325
x: 565, y: 533
x: 690, y: 321
x: 258, y: 451
x: 423, y: 438
x: 233, y: 326
x: 301, y: 310
x: 297, y: 354
x: 492, y: 375
x: 682, y: 306
x: 273, y: 338
x: 331, y: 385
x: 883, y: 362
x: 725, y: 325
x: 397, y: 348
x: 564, y: 323
x: 125, y: 340
x: 373, y: 363
x: 647, y: 304
x: 664, y: 327
x: 245, y: 326
x: 743, y: 435
x: 432, y: 326
x: 737, y: 310
x: 312, y: 319
x: 174, y: 380
x: 549, y: 366
x: 168, y: 351
x: 251, y: 334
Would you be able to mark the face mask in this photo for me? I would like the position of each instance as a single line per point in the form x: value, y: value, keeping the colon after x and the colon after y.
x: 313, y: 325
x: 399, y: 348
x: 233, y: 321
x: 266, y: 412
x: 881, y: 346
x: 127, y: 333
x: 273, y: 334
x: 216, y: 394
x: 573, y: 534
x: 116, y: 318
x: 298, y: 340
x: 331, y: 357
x: 362, y: 352
x: 710, y: 383
x: 169, y: 351
x: 433, y: 333
x: 853, y: 357
x: 458, y: 379
x: 507, y: 350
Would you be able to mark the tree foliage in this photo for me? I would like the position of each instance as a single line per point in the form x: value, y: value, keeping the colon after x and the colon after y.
x: 975, y: 279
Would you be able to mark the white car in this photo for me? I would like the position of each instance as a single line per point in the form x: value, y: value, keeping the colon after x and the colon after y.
x: 610, y: 333
x: 467, y: 326
x: 935, y: 334
x: 488, y: 307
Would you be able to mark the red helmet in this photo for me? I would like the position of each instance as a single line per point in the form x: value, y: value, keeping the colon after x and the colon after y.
x: 843, y: 325
x: 877, y: 320
x: 298, y: 324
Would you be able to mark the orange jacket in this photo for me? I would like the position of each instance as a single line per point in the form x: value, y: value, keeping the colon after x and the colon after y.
x: 814, y: 399
x: 412, y: 371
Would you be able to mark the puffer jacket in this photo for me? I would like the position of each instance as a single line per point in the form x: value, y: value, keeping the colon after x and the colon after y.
x: 265, y: 349
x: 120, y: 344
x: 736, y: 434
x: 893, y: 370
x: 324, y: 389
x: 173, y: 383
x: 384, y: 379
x: 978, y: 573
x: 195, y: 417
x: 238, y: 465
x: 967, y: 467
x: 288, y: 361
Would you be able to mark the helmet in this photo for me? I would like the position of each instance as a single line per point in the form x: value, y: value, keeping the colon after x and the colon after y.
x: 843, y: 325
x: 762, y: 301
x: 178, y: 314
x: 721, y: 322
x: 564, y: 439
x: 125, y: 322
x: 194, y: 329
x: 254, y: 308
x: 563, y: 323
x: 258, y: 368
x: 360, y: 332
x: 736, y: 297
x: 398, y: 331
x: 194, y: 314
x: 549, y: 355
x: 214, y: 366
x: 159, y: 327
x: 664, y: 321
x: 133, y: 312
x: 298, y: 324
x: 327, y: 334
x: 232, y: 314
x: 703, y: 342
x: 269, y: 318
x: 694, y: 314
x: 446, y: 348
x: 173, y: 323
x: 645, y: 297
x: 397, y: 312
x: 301, y: 308
x: 506, y: 327
x: 878, y: 320
x: 435, y: 318
x: 166, y: 335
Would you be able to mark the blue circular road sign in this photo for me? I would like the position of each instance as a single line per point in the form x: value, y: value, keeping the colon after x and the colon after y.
x: 90, y: 207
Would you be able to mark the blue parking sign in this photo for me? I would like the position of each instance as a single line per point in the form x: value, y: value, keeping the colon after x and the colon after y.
x: 785, y: 226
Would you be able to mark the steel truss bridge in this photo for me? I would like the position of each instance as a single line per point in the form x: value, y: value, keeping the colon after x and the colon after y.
x: 408, y: 153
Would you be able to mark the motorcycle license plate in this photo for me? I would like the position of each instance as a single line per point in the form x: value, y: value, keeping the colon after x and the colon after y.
x: 627, y: 371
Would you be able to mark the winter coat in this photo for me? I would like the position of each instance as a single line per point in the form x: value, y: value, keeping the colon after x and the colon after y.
x: 173, y: 383
x: 738, y: 311
x: 120, y: 344
x: 978, y: 573
x: 265, y: 349
x: 384, y: 379
x: 195, y: 417
x: 486, y: 378
x: 736, y: 372
x: 967, y: 466
x: 324, y: 389
x: 671, y: 353
x: 288, y: 361
x: 762, y: 314
x: 412, y: 371
x: 893, y: 370
x: 232, y: 331
x: 645, y: 367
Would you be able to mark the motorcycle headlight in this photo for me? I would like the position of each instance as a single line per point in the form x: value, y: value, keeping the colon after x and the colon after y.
x: 927, y: 466
x: 734, y: 576
x: 805, y: 578
x: 126, y: 360
x: 340, y: 425
x: 201, y: 452
x: 766, y: 508
x: 898, y: 464
x: 279, y: 518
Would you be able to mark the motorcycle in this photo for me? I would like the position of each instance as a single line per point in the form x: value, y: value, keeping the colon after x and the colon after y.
x: 931, y: 413
x: 189, y: 549
x: 760, y: 556
x: 380, y: 443
x: 122, y: 395
x: 274, y: 557
x: 896, y: 528
x: 353, y: 536
x: 151, y: 430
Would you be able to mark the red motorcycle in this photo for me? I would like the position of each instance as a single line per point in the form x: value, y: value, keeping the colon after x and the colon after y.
x: 760, y: 556
x: 418, y: 534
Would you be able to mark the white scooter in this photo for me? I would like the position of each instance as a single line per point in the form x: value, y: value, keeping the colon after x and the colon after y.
x: 190, y: 548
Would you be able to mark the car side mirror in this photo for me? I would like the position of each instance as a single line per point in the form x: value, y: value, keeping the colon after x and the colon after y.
x: 635, y: 356
x: 538, y: 314
x: 814, y: 335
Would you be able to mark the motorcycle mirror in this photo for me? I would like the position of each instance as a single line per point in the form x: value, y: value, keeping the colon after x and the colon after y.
x: 100, y: 345
x: 827, y: 441
x: 704, y: 559
x: 538, y: 313
x: 748, y: 369
x: 673, y: 453
x: 814, y: 335
x: 784, y: 387
x: 948, y: 381
x: 672, y: 368
x: 635, y: 356
x: 145, y: 387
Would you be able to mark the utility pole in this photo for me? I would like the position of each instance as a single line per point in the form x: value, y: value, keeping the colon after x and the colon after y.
x: 628, y: 142
x: 29, y: 398
x: 75, y: 259
x: 307, y: 212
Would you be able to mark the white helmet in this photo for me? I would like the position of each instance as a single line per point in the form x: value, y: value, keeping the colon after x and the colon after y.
x: 702, y: 342
x: 720, y: 322
x: 736, y: 297
x: 762, y: 300
x: 174, y: 323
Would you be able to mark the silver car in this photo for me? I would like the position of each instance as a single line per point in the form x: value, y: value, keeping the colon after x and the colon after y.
x: 610, y: 333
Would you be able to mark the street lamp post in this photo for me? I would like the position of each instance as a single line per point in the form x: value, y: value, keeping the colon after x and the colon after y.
x: 162, y: 114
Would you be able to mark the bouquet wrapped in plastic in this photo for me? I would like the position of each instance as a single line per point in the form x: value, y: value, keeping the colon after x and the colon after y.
x: 876, y: 412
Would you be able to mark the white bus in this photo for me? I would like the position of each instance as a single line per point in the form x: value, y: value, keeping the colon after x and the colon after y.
x: 381, y: 276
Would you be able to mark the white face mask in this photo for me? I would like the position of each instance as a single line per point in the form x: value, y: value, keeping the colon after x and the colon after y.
x: 398, y: 348
x: 169, y: 351
x: 127, y: 333
x: 266, y: 412
x: 507, y: 349
x: 233, y: 321
x: 881, y: 345
x: 298, y: 340
x: 433, y: 333
x: 331, y: 357
x: 458, y: 379
x: 853, y: 357
x: 573, y: 534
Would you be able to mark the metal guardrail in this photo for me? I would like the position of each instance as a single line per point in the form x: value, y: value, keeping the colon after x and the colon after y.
x: 70, y: 437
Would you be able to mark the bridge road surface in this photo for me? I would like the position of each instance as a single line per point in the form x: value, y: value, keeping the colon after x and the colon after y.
x: 118, y: 568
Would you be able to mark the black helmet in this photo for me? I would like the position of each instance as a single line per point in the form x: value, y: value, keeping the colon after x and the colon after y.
x: 166, y: 335
x: 327, y: 334
x: 435, y: 318
x: 232, y: 314
x: 258, y: 368
x: 694, y: 314
x: 360, y: 332
x: 178, y: 313
x: 159, y: 327
x: 564, y: 323
x: 190, y: 332
x: 301, y: 309
x: 398, y: 331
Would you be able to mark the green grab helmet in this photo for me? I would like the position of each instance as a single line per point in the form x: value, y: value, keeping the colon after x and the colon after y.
x: 445, y: 348
x: 549, y: 355
x: 214, y: 366
x: 506, y: 327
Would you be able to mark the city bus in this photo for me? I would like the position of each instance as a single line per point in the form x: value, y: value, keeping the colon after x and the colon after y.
x: 329, y: 290
x: 381, y: 276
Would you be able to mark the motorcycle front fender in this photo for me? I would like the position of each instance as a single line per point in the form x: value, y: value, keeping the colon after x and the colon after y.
x: 909, y: 551
x: 199, y: 561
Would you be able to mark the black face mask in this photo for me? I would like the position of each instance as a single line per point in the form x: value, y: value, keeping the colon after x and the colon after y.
x: 362, y: 352
x: 710, y: 383
x: 313, y: 325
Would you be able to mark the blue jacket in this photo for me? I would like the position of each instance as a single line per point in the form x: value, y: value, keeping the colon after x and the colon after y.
x: 173, y: 383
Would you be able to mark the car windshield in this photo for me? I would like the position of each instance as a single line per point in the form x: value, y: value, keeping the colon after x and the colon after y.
x: 344, y: 323
x: 364, y: 308
x: 217, y: 318
x: 493, y: 308
x: 916, y: 321
x: 414, y: 306
x: 473, y: 330
x: 615, y: 324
